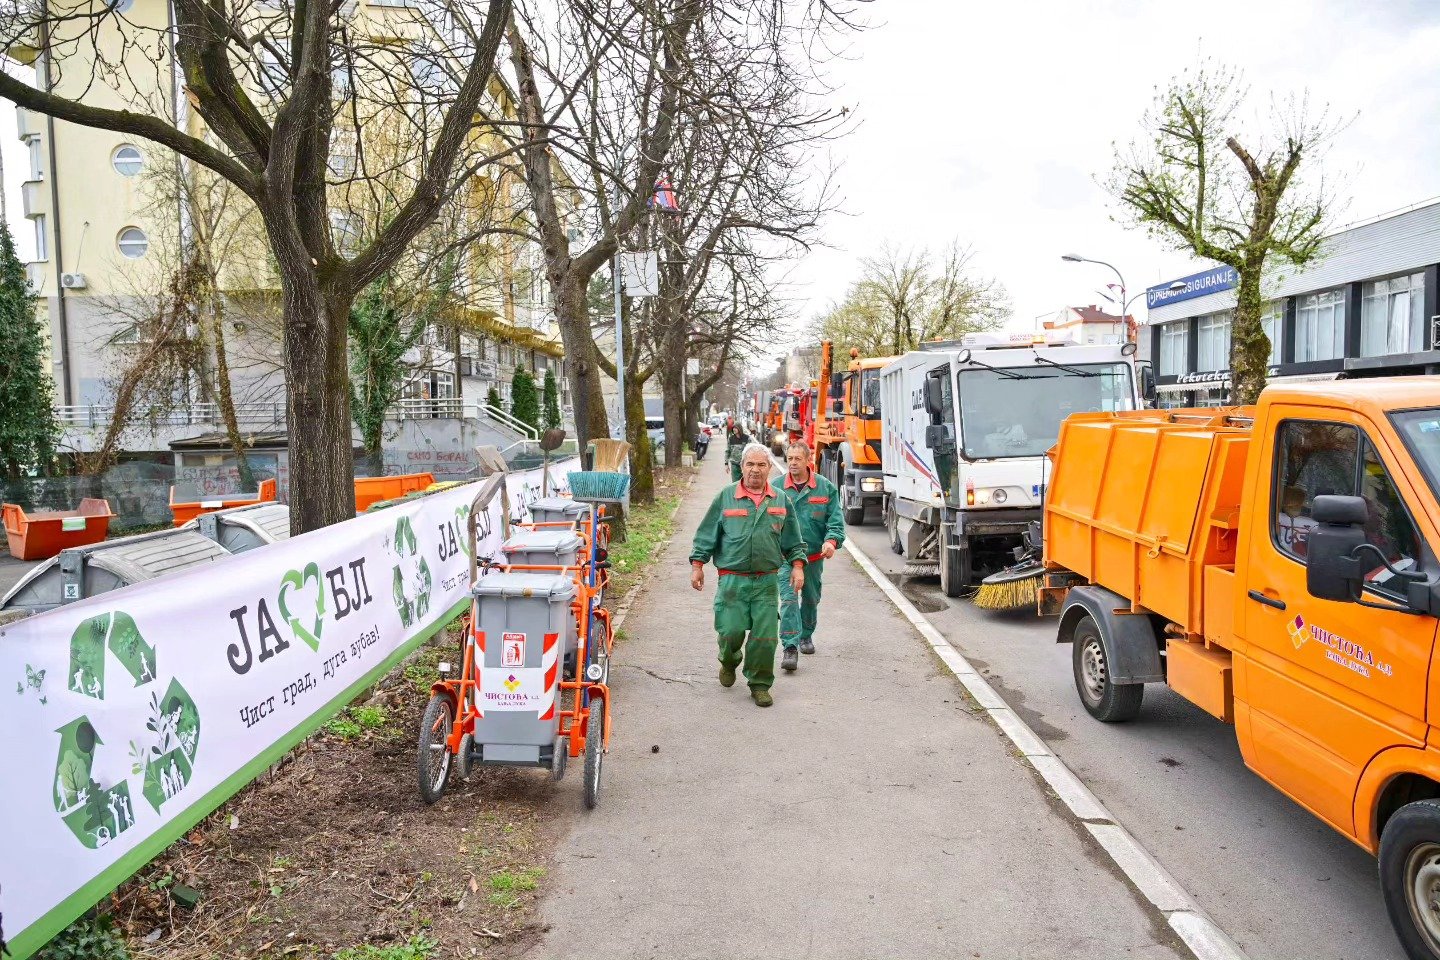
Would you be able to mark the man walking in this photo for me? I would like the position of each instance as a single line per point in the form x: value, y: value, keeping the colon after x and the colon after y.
x: 736, y: 439
x: 751, y: 534
x: 815, y: 503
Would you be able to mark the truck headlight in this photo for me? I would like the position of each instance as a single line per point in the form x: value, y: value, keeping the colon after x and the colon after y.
x: 872, y: 484
x: 999, y: 496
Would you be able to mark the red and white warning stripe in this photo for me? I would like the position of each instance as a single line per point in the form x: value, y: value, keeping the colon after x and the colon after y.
x: 550, y: 664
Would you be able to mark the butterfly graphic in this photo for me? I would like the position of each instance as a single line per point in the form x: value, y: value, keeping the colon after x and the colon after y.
x: 33, y: 679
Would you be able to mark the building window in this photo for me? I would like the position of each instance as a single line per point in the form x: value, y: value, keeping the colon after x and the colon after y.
x: 133, y: 243
x: 1320, y: 326
x: 37, y: 159
x: 1273, y: 320
x: 272, y: 75
x: 1213, y: 342
x: 1175, y: 348
x: 345, y: 231
x: 342, y: 154
x: 42, y: 251
x: 1392, y: 316
x: 127, y: 160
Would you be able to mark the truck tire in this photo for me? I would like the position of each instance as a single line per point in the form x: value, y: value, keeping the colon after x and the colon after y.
x: 1104, y: 700
x: 854, y: 516
x: 892, y: 527
x: 955, y: 568
x: 1410, y: 877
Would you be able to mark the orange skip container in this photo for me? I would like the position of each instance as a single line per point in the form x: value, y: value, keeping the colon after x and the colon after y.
x: 44, y: 533
x: 185, y: 512
x: 370, y: 490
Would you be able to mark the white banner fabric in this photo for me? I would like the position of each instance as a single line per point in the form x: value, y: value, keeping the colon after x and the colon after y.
x: 137, y: 712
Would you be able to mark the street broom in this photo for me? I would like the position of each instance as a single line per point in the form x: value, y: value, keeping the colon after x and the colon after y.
x: 1013, y: 588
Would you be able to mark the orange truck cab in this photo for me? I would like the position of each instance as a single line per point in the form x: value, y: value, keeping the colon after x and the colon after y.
x: 1279, y: 567
x: 847, y: 432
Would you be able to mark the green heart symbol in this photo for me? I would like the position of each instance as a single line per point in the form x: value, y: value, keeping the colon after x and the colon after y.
x: 296, y: 579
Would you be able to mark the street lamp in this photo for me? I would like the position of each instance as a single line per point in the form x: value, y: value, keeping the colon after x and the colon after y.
x: 1124, y: 303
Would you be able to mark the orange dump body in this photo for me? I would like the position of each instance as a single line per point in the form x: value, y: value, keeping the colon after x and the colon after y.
x: 371, y: 490
x: 1143, y: 502
x: 44, y: 533
x: 185, y: 512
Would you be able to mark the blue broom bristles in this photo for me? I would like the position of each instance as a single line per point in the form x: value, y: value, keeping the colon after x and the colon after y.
x: 598, y: 485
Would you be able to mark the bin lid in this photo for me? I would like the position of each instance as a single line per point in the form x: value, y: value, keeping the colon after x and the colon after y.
x: 565, y: 505
x: 547, y: 541
x: 551, y: 586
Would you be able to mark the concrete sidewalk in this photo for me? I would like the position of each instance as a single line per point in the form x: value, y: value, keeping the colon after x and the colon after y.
x: 868, y: 814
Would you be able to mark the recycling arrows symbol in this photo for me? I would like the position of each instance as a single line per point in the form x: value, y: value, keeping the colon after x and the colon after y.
x: 162, y: 757
x: 411, y: 607
x: 297, y: 580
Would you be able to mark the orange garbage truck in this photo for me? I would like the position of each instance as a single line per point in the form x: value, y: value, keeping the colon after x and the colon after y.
x: 847, y: 432
x: 1279, y: 567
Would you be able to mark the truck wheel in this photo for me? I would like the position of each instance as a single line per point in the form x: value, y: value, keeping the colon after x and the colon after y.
x: 955, y: 567
x: 1105, y: 701
x: 1410, y: 877
x: 854, y: 516
x: 892, y: 527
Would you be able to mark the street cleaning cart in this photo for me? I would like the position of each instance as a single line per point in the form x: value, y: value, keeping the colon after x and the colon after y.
x: 518, y: 698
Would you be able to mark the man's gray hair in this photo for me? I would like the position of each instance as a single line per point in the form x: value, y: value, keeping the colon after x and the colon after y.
x: 753, y: 446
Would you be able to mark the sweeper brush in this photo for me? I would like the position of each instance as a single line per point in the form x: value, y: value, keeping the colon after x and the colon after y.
x: 1013, y: 588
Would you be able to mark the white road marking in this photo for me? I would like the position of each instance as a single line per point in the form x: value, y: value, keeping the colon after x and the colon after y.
x: 1189, y: 921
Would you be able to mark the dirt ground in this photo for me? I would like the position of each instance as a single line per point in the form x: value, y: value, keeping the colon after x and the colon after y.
x: 333, y: 850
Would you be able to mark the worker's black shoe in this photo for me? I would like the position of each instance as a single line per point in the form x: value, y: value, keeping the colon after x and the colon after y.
x: 727, y: 676
x: 790, y: 659
x: 762, y: 697
x: 807, y: 645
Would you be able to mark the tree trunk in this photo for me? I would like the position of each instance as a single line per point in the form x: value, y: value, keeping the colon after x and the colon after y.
x: 1249, y: 346
x: 322, y: 468
x: 642, y: 470
x: 572, y: 314
x: 223, y: 393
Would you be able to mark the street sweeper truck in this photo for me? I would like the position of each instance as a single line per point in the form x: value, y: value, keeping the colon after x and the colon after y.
x: 1279, y: 567
x: 964, y: 429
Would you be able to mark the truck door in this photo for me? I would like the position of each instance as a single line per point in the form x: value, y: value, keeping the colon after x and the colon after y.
x: 1327, y: 685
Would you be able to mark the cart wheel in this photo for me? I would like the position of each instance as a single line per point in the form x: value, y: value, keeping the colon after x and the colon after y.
x: 464, y: 763
x: 594, y: 752
x: 433, y: 758
x: 561, y: 755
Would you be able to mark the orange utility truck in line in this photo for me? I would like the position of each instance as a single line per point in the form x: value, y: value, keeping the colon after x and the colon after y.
x: 1277, y: 566
x: 847, y: 431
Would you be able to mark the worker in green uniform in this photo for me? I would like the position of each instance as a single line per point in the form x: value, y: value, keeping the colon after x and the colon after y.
x: 751, y: 534
x: 735, y: 441
x: 815, y: 502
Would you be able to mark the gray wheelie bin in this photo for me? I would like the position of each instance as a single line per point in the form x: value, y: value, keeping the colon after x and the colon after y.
x: 559, y: 510
x: 548, y: 546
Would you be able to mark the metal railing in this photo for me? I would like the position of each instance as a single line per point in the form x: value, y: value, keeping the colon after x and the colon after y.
x: 207, y: 414
x: 506, y: 420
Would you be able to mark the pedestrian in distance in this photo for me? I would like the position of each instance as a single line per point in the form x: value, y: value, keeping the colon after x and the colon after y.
x: 751, y: 535
x: 736, y: 439
x: 702, y: 443
x: 815, y: 503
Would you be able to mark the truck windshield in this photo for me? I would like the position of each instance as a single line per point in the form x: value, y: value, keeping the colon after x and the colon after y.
x: 1016, y: 411
x: 1421, y: 431
x: 870, y: 394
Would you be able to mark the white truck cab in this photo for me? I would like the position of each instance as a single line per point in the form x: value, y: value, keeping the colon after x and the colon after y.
x: 965, y: 426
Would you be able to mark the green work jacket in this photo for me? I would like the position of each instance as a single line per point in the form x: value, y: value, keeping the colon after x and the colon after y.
x: 817, y: 506
x: 744, y: 537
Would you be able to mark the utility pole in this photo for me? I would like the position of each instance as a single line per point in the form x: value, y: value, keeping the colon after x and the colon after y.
x: 617, y: 281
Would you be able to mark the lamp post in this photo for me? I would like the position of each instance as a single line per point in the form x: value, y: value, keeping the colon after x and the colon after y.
x: 1124, y: 303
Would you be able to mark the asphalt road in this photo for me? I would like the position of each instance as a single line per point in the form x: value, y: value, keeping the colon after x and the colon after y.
x: 1277, y: 880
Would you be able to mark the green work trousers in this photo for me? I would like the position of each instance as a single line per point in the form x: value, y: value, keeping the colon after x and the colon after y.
x: 747, y: 605
x: 734, y: 471
x: 799, y: 614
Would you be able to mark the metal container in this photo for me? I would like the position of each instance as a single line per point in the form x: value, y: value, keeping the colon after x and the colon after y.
x: 525, y: 628
x: 553, y: 547
x: 244, y: 528
x: 559, y: 510
x: 80, y: 572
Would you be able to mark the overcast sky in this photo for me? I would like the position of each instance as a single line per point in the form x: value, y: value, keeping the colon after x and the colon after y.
x: 990, y: 122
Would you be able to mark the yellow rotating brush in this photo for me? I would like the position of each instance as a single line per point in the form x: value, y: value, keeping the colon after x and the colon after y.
x: 1012, y: 588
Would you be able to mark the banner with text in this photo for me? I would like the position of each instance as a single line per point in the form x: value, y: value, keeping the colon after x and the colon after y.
x: 137, y: 712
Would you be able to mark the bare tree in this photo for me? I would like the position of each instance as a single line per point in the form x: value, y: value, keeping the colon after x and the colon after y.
x: 273, y: 85
x: 1194, y: 183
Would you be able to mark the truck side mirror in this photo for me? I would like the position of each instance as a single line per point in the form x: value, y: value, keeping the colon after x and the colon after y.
x: 939, y: 436
x: 934, y: 400
x: 1331, y: 570
x: 1147, y: 381
x: 837, y: 385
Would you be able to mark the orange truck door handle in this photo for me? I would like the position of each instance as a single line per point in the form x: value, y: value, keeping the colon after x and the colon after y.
x: 1259, y: 597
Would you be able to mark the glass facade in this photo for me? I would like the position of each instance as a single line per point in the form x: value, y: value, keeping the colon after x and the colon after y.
x: 1320, y: 326
x: 1213, y: 342
x: 1392, y: 316
x: 1175, y: 348
x: 1273, y: 320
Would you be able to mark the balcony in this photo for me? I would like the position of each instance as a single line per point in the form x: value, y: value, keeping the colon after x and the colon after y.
x: 28, y: 123
x: 32, y: 198
x: 35, y: 276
